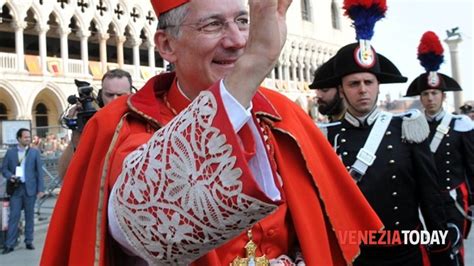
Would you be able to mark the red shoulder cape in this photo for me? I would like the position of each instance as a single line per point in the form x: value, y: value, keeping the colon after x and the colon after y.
x: 327, y: 202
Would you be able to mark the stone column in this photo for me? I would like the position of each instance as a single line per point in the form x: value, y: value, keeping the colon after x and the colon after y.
x: 42, y: 30
x: 103, y: 37
x: 286, y: 71
x: 120, y: 40
x: 151, y: 55
x: 136, y: 57
x: 64, y: 49
x: 294, y: 65
x: 19, y: 26
x: 453, y: 42
x: 300, y: 70
x: 84, y: 35
x: 308, y: 71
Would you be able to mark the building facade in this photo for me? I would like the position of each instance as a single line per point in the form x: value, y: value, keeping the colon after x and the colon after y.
x: 46, y: 44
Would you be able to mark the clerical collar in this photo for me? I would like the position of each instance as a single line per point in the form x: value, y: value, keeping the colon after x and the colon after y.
x: 436, y: 117
x: 368, y: 119
x: 176, y: 98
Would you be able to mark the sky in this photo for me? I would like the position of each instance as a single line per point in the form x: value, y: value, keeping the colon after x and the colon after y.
x: 398, y: 34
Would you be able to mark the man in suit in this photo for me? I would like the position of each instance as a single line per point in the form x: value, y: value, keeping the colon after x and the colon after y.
x: 22, y: 165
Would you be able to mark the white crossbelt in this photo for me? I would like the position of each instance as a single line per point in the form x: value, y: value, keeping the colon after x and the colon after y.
x: 441, y: 130
x: 366, y: 155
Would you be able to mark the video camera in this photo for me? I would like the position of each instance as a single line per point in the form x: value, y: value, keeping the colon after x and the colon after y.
x: 86, y: 108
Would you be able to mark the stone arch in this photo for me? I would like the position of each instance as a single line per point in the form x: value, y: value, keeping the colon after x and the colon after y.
x: 98, y: 22
x: 62, y: 24
x: 81, y: 24
x: 56, y: 94
x: 54, y: 99
x: 13, y: 11
x: 12, y: 99
x: 150, y: 35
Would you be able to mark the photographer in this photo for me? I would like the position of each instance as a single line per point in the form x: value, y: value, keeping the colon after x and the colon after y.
x: 115, y: 83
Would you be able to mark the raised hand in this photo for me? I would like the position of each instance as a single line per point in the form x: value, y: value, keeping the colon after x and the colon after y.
x: 267, y: 37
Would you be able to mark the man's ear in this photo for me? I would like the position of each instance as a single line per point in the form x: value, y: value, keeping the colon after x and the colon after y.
x: 165, y: 45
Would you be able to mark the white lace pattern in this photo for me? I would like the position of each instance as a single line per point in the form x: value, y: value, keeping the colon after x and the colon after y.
x: 180, y: 194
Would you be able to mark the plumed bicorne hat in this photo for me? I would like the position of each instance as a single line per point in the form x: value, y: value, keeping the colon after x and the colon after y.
x: 162, y: 6
x: 361, y: 56
x: 430, y: 54
x: 322, y: 74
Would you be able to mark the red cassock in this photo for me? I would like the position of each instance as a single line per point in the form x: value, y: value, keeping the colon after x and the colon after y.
x: 139, y: 145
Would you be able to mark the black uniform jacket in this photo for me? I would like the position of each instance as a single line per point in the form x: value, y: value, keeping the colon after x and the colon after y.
x: 455, y: 154
x: 402, y: 179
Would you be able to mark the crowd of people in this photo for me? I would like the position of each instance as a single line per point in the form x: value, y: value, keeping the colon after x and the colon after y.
x: 51, y: 145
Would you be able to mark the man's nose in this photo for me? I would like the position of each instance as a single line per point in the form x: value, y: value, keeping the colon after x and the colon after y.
x: 363, y: 88
x: 234, y: 37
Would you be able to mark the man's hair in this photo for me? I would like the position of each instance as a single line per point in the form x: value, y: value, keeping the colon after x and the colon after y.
x: 117, y: 73
x: 170, y: 21
x: 20, y: 131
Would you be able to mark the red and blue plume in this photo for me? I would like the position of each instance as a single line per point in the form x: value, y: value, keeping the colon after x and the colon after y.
x: 365, y: 13
x: 430, y: 51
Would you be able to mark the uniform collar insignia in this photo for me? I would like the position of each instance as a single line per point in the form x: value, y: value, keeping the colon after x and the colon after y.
x: 359, y: 122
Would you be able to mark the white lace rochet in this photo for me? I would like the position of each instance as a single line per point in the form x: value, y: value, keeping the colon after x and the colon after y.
x: 180, y: 194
